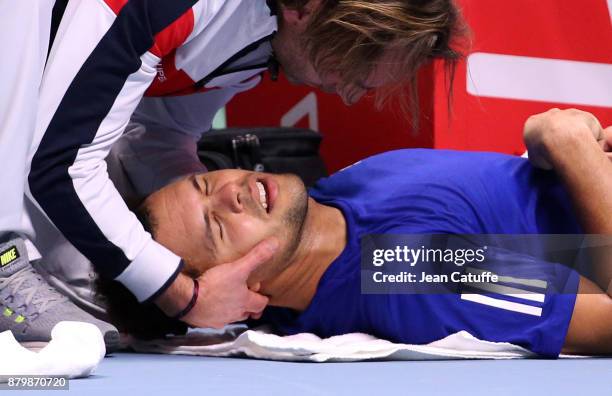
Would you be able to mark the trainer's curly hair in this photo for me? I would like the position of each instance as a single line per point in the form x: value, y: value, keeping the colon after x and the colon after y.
x: 350, y: 37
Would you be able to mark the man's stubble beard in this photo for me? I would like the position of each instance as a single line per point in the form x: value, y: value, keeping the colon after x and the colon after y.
x: 295, y: 219
x: 291, y: 225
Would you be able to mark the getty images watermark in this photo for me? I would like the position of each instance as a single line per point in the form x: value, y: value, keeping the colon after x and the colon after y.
x: 505, y: 264
x: 413, y: 256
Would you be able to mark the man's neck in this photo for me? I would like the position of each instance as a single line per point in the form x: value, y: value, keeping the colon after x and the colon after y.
x: 323, y: 239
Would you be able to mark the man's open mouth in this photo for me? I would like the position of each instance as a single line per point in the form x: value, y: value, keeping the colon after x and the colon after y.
x: 263, y: 195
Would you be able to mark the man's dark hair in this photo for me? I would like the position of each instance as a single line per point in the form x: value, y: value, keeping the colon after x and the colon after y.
x: 144, y: 321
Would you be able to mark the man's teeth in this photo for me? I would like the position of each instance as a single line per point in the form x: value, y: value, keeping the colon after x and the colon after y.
x: 262, y: 195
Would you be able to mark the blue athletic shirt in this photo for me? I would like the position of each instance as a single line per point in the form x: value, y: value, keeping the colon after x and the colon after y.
x: 438, y: 192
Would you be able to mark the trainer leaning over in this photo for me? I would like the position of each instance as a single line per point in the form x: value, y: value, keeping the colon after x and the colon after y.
x: 187, y: 58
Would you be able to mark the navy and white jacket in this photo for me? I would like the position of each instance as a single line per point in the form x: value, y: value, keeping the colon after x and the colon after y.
x: 187, y: 58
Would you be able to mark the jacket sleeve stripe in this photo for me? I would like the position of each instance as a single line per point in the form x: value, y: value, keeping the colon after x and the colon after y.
x: 76, y: 128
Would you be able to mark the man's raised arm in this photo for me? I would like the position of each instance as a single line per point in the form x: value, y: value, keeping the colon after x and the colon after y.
x: 574, y: 144
x: 570, y: 142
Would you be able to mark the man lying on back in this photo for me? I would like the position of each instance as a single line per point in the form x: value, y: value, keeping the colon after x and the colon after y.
x: 214, y: 217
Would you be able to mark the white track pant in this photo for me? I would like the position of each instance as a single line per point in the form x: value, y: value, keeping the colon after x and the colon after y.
x: 24, y: 32
x: 25, y: 27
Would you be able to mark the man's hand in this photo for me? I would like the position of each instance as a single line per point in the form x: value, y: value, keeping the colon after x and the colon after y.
x: 224, y: 295
x: 605, y: 141
x: 544, y: 131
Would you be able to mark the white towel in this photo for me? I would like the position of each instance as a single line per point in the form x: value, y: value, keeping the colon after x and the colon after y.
x: 345, y: 348
x: 75, y: 350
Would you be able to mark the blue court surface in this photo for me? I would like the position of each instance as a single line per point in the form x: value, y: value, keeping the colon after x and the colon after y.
x: 150, y: 375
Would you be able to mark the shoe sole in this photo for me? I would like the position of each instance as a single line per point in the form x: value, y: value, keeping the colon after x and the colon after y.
x: 34, y: 346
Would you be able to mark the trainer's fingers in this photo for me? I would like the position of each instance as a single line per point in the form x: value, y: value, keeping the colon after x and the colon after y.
x: 255, y: 287
x: 256, y: 302
x: 261, y: 253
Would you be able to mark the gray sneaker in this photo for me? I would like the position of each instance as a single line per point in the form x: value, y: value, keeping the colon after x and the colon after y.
x: 30, y: 307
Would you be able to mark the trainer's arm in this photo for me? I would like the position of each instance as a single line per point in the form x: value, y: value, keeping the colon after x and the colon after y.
x: 101, y: 63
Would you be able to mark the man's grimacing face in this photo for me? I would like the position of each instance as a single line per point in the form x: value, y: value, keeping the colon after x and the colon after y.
x: 217, y: 217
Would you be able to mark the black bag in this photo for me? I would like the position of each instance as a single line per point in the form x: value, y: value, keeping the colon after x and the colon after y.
x: 274, y: 150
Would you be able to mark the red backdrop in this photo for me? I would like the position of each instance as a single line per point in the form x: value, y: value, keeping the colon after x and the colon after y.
x: 526, y: 57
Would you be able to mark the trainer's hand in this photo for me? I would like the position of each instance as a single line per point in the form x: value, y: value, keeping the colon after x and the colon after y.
x: 225, y: 296
x: 544, y: 132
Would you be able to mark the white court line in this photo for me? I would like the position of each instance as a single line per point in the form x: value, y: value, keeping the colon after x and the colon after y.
x: 503, y: 304
x: 541, y: 284
x: 540, y: 79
